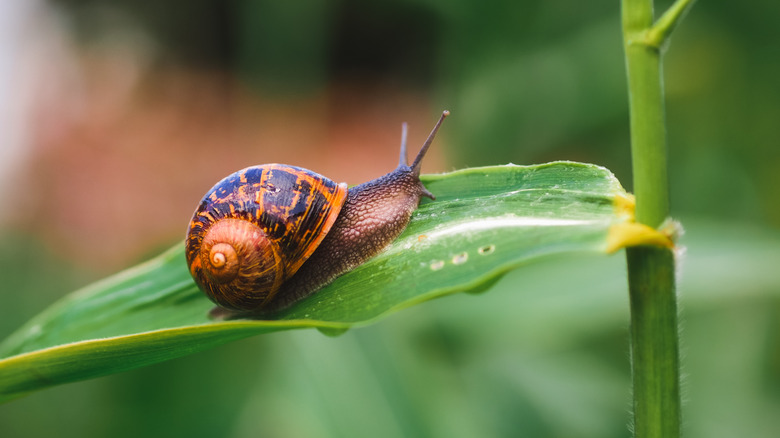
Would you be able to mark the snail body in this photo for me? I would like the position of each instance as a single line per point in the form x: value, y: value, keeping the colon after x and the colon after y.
x: 267, y: 236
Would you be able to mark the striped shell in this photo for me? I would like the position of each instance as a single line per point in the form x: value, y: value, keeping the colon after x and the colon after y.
x: 254, y: 229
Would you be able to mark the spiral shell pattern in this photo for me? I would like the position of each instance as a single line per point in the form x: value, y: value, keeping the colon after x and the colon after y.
x: 254, y: 229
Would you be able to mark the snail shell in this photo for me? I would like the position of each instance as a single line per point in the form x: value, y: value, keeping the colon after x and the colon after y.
x: 255, y: 228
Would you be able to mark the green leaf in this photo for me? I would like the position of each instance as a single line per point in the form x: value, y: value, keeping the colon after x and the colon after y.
x: 485, y: 222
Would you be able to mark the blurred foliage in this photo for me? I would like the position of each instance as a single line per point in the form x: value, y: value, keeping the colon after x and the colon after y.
x: 534, y: 80
x: 527, y: 82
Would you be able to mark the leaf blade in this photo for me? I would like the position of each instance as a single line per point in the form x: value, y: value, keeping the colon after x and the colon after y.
x: 485, y: 222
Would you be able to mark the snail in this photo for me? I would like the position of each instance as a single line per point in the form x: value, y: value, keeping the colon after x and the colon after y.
x: 268, y: 236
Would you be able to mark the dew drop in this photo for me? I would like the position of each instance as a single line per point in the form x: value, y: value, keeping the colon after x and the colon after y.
x: 332, y: 331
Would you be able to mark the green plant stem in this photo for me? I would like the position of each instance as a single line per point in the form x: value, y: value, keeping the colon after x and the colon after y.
x: 654, y: 342
x: 651, y: 271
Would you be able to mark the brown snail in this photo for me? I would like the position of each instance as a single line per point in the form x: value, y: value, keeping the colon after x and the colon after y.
x: 267, y: 236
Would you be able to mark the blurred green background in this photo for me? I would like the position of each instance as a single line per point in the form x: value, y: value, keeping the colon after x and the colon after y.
x: 121, y: 114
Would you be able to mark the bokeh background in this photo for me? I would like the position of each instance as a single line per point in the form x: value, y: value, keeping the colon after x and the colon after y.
x: 116, y: 116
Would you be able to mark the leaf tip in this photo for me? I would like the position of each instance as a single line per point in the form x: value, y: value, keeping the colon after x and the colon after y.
x: 625, y: 205
x: 631, y: 233
x: 627, y: 234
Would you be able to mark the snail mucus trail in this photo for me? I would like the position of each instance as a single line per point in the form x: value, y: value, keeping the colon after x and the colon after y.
x: 268, y: 236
